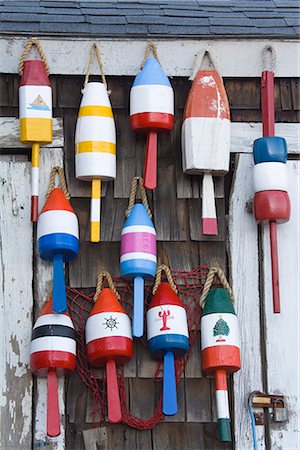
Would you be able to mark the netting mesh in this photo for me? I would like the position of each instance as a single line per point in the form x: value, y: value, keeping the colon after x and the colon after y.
x: 190, y: 285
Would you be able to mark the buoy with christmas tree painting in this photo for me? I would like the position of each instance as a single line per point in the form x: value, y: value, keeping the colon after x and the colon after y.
x: 168, y: 337
x: 220, y: 350
x: 52, y: 354
x: 151, y: 109
x: 109, y: 342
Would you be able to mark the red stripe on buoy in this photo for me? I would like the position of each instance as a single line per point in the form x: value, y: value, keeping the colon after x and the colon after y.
x: 57, y: 201
x: 107, y: 302
x: 221, y: 380
x: 104, y: 349
x: 34, y: 208
x: 225, y: 357
x: 41, y: 361
x: 267, y: 103
x: 142, y: 122
x: 274, y: 264
x: 34, y: 74
x: 53, y: 415
x: 210, y: 227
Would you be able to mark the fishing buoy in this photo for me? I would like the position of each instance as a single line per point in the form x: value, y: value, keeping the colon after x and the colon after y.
x: 206, y: 139
x: 151, y: 112
x: 52, y: 354
x: 95, y: 144
x: 271, y: 199
x: 58, y: 241
x: 35, y: 112
x: 168, y: 337
x: 138, y: 256
x: 109, y: 343
x: 220, y: 350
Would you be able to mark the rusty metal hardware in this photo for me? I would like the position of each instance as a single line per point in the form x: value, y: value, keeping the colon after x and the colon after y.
x: 274, y: 401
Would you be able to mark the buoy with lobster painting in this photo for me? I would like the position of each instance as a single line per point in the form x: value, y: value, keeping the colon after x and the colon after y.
x: 52, y: 354
x: 151, y: 110
x: 168, y: 338
x: 206, y: 138
x: 108, y: 344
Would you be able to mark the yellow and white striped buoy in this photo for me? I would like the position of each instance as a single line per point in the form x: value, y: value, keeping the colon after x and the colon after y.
x: 95, y: 146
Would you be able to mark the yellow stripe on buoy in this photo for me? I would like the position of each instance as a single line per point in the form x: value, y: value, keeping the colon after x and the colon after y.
x: 95, y: 146
x: 35, y: 155
x: 95, y: 210
x: 103, y: 111
x: 35, y: 130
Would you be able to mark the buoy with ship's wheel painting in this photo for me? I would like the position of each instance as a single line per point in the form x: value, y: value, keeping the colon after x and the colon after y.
x: 95, y: 142
x: 58, y: 241
x: 206, y: 136
x: 35, y: 112
x: 52, y: 354
x: 151, y: 109
x: 108, y: 344
x: 220, y: 350
x: 168, y: 337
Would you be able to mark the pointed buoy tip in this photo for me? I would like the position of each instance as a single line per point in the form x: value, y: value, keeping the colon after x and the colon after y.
x: 210, y: 227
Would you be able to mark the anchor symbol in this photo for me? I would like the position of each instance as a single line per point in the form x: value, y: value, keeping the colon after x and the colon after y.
x: 164, y: 315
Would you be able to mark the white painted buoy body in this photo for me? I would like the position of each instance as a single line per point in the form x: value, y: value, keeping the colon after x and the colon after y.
x: 270, y: 176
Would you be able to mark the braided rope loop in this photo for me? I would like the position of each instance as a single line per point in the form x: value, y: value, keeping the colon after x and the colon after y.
x: 167, y: 271
x: 150, y: 47
x: 95, y: 50
x: 269, y: 51
x: 26, y: 51
x: 62, y: 180
x: 110, y: 283
x: 215, y: 270
x: 138, y: 182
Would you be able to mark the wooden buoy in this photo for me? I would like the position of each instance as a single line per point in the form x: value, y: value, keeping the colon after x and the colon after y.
x: 151, y: 112
x: 109, y: 343
x: 168, y: 337
x: 206, y: 139
x: 35, y: 112
x: 52, y: 354
x: 220, y: 350
x: 58, y: 241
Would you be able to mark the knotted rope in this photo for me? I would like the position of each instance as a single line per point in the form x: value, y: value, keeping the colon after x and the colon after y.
x: 60, y: 171
x: 150, y: 47
x: 95, y: 50
x: 167, y: 271
x: 138, y: 182
x: 29, y: 44
x: 266, y: 66
x: 198, y: 62
x: 110, y: 283
x: 215, y: 270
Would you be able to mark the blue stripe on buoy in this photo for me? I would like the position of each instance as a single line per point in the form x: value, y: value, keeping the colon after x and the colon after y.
x: 176, y: 343
x: 270, y: 149
x: 152, y: 73
x: 138, y: 216
x: 58, y: 243
x: 142, y: 267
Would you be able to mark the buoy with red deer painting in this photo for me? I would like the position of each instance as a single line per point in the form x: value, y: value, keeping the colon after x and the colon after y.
x: 52, y: 354
x: 138, y: 259
x: 58, y: 241
x: 168, y: 337
x: 206, y: 139
x: 109, y: 343
x: 35, y: 112
x: 220, y: 350
x: 151, y: 112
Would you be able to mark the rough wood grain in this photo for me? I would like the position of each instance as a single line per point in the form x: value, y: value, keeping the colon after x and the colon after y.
x: 295, y: 93
x: 195, y: 221
x: 282, y: 330
x: 198, y: 399
x: 285, y: 95
x: 243, y: 248
x: 16, y: 303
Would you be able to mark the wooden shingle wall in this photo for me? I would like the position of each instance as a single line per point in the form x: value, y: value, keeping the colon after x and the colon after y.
x: 176, y: 205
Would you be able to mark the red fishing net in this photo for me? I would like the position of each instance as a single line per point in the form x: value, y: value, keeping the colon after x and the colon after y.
x: 190, y: 285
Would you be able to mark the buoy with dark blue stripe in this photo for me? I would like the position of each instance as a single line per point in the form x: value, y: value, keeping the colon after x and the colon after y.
x: 168, y: 336
x: 52, y: 354
x: 138, y: 258
x: 151, y: 111
x: 271, y: 200
x: 220, y: 350
x: 57, y: 233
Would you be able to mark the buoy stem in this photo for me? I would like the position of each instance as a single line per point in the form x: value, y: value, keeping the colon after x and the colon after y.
x: 169, y: 406
x: 35, y: 162
x: 209, y: 216
x: 267, y: 103
x: 222, y: 406
x: 113, y: 396
x: 59, y: 286
x: 138, y: 307
x: 53, y: 415
x: 95, y: 210
x: 150, y: 171
x: 275, y: 270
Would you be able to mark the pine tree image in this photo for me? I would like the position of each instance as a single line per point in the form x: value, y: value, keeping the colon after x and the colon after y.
x: 221, y: 328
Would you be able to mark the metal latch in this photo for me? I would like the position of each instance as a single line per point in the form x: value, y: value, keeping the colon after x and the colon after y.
x: 274, y: 401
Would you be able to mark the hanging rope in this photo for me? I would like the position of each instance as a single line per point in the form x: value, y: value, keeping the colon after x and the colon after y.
x: 95, y: 50
x: 138, y: 182
x: 198, y: 62
x: 215, y: 270
x: 110, y: 283
x: 167, y: 271
x: 29, y: 44
x: 63, y: 185
x: 150, y: 47
x: 266, y: 65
